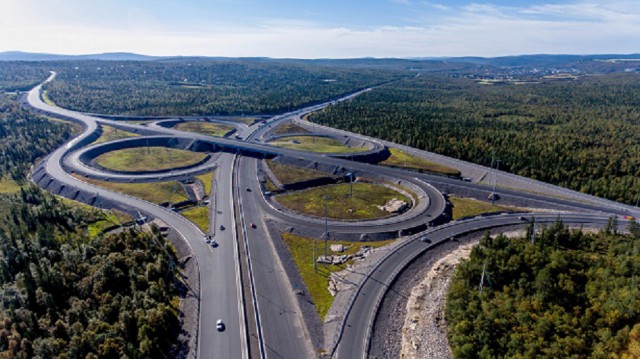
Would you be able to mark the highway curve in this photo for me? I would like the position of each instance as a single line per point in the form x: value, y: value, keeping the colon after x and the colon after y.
x: 275, y: 318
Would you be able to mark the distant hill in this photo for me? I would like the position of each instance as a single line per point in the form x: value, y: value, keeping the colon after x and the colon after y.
x: 539, y: 60
x: 112, y: 56
x: 604, y: 63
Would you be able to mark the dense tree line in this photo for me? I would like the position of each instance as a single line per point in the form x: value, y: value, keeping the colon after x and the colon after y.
x: 21, y: 76
x: 25, y: 137
x: 564, y: 294
x: 202, y: 87
x: 65, y: 295
x: 582, y: 134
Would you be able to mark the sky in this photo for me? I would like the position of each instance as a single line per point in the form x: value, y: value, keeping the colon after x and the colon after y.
x: 321, y: 28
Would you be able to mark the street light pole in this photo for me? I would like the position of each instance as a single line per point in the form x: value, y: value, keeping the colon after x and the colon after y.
x: 326, y: 224
x: 315, y: 262
x: 495, y: 175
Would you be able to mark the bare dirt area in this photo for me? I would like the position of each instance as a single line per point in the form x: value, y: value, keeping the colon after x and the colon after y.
x: 425, y: 311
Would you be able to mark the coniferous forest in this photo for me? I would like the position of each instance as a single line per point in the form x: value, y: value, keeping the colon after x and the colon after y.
x: 582, y: 134
x: 562, y: 294
x: 64, y: 294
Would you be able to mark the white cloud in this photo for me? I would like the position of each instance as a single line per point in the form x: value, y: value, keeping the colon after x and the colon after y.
x: 475, y: 29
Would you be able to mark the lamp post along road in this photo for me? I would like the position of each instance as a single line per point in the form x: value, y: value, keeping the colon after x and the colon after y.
x: 326, y: 225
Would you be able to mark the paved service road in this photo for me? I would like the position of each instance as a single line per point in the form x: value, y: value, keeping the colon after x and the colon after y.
x: 359, y: 320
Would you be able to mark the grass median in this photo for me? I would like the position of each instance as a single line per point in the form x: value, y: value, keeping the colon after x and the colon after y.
x: 315, y: 144
x: 402, y: 159
x: 362, y: 205
x: 292, y: 174
x: 141, y: 159
x: 469, y: 207
x: 289, y: 128
x: 205, y: 128
x: 199, y: 216
x: 111, y: 133
x: 301, y: 249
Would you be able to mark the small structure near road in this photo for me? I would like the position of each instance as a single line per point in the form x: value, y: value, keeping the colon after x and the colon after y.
x: 394, y: 206
x: 335, y: 260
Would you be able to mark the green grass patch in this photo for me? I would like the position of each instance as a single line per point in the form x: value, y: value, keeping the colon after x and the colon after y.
x: 102, y: 219
x: 199, y: 216
x: 292, y: 174
x: 206, y: 178
x: 289, y: 127
x: 315, y: 144
x: 46, y: 99
x: 156, y: 192
x: 111, y: 133
x: 107, y: 219
x: 402, y: 159
x: 7, y: 185
x: 363, y: 205
x: 301, y: 249
x: 269, y: 186
x: 467, y: 207
x: 205, y: 128
x: 142, y: 122
x: 148, y: 159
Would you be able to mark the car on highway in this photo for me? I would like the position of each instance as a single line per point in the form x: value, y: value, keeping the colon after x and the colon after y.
x: 425, y: 240
x: 253, y: 225
x: 213, y: 243
x: 220, y: 325
x: 221, y: 227
x: 248, y: 189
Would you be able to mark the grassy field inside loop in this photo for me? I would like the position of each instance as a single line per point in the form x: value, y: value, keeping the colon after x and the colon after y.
x: 315, y: 144
x: 152, y: 158
x: 205, y: 128
x: 362, y: 205
x: 402, y: 159
x: 301, y: 249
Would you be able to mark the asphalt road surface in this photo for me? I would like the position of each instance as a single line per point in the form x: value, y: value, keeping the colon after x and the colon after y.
x: 221, y: 296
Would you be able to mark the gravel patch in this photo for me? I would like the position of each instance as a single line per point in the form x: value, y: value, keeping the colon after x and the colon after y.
x: 424, y: 333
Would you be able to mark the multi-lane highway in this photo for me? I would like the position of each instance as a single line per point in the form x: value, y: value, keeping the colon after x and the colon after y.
x: 242, y: 280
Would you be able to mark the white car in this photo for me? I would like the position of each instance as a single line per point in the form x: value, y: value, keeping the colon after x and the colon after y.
x: 220, y: 325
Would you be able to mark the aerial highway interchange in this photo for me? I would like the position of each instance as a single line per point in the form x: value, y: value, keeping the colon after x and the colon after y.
x: 242, y: 280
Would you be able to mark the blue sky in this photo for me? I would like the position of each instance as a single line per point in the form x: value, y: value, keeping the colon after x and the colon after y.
x: 319, y: 29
